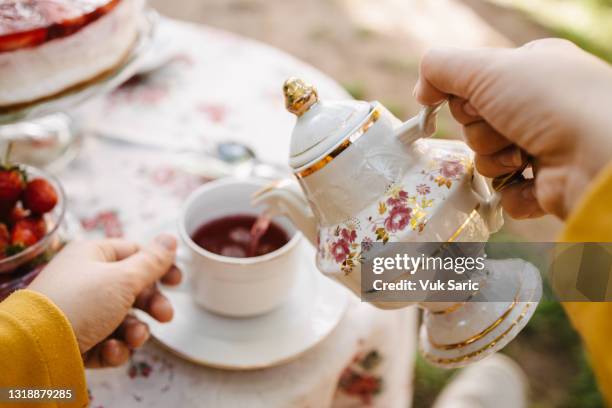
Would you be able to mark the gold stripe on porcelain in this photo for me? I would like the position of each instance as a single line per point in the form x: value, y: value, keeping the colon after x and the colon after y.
x: 453, y: 237
x: 324, y: 161
x: 451, y: 309
x: 463, y: 226
x: 454, y: 360
x: 478, y: 336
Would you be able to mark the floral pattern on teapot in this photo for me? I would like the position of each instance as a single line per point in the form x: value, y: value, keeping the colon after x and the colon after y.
x: 400, y: 209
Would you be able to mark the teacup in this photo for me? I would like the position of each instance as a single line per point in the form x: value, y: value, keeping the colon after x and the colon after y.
x: 236, y: 287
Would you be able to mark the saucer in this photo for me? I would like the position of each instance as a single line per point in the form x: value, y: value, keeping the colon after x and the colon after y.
x: 314, y: 308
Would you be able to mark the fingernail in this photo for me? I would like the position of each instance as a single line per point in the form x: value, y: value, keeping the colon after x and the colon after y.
x: 511, y: 158
x: 143, y: 332
x: 114, y: 350
x: 167, y: 241
x: 528, y: 193
x: 470, y: 110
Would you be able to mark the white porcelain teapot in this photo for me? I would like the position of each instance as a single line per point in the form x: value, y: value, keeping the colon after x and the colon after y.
x: 363, y: 176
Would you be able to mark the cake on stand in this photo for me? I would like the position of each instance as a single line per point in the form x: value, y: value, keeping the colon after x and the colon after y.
x: 43, y: 133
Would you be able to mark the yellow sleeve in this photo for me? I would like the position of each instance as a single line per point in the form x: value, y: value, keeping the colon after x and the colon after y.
x: 592, y: 222
x: 38, y: 348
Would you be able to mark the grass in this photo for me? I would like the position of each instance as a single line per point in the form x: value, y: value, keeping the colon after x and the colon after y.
x: 356, y: 89
x: 552, y: 337
x: 548, y: 338
x: 585, y: 22
x: 400, y: 65
x: 429, y: 382
x: 364, y: 33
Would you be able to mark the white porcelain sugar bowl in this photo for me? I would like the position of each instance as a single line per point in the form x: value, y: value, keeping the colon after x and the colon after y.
x: 364, y: 177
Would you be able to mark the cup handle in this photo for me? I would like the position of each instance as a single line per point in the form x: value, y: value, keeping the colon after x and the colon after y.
x: 183, y: 262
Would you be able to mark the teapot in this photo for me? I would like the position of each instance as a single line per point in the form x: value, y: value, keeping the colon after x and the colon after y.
x: 362, y: 176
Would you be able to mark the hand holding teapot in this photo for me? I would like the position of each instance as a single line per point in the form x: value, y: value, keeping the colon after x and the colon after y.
x: 362, y: 176
x: 541, y: 98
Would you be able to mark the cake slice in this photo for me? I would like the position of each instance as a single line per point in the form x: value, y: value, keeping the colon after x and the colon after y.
x: 50, y: 46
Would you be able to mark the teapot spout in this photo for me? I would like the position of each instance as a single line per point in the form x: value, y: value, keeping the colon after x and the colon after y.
x: 284, y: 197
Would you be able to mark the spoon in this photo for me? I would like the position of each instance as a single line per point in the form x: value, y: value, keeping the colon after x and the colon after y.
x: 230, y: 159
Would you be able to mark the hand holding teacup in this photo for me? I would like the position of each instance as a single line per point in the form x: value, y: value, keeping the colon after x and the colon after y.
x: 96, y: 283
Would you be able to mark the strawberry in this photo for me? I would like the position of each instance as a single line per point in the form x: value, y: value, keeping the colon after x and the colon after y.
x: 36, y: 224
x: 12, y: 183
x: 28, y: 231
x: 22, y: 238
x: 39, y: 196
x: 17, y: 213
x: 6, y: 209
x: 22, y: 40
x: 5, y: 240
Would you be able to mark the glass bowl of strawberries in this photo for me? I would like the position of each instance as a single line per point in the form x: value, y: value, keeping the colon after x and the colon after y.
x: 32, y: 210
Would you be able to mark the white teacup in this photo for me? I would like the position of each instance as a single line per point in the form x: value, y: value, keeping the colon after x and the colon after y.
x: 237, y: 287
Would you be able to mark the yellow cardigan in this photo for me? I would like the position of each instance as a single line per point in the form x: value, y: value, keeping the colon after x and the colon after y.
x: 38, y: 347
x: 592, y: 222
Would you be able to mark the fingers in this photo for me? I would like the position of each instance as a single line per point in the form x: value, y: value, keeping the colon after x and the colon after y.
x: 160, y: 308
x: 551, y: 187
x: 427, y: 94
x: 502, y: 162
x: 172, y: 277
x: 479, y: 134
x: 152, y: 301
x: 483, y: 139
x: 152, y: 262
x: 115, y: 351
x: 132, y: 332
x: 463, y: 111
x: 551, y: 43
x: 451, y: 71
x: 519, y: 201
x: 114, y: 249
x: 109, y: 353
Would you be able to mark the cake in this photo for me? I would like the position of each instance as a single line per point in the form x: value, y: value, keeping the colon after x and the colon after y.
x: 48, y: 47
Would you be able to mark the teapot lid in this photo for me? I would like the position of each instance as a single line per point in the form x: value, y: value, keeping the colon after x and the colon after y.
x: 320, y: 126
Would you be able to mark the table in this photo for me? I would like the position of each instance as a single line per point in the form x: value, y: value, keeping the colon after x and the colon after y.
x: 218, y: 86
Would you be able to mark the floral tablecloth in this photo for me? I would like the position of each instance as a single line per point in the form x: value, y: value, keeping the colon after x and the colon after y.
x: 216, y: 86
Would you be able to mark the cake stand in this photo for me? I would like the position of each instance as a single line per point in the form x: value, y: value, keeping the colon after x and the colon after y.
x: 43, y: 134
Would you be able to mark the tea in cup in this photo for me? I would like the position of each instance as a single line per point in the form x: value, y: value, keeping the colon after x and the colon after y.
x: 240, y: 262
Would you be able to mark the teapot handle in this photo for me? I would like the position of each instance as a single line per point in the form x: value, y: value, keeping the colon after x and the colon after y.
x: 427, y: 119
x: 422, y: 125
x: 490, y: 209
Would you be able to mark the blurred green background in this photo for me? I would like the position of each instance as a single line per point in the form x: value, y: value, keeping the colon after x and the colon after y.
x: 588, y: 23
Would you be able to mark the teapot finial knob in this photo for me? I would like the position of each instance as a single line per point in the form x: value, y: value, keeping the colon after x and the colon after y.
x: 299, y: 96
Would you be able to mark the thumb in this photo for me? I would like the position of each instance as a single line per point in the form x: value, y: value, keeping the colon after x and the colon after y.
x: 150, y: 263
x: 452, y: 71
